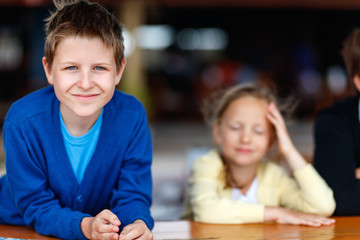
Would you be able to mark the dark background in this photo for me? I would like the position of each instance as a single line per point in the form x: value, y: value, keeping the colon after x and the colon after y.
x: 276, y: 43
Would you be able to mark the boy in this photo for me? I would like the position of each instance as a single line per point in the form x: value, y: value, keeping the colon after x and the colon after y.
x: 337, y: 138
x: 78, y: 148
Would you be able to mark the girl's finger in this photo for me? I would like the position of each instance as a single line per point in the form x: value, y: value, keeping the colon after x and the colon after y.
x: 275, y: 112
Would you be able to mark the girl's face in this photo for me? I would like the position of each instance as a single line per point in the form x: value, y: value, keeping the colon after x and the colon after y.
x: 244, y: 133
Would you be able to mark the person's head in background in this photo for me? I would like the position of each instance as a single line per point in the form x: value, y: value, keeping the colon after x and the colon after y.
x: 351, y: 56
x: 83, y: 57
x: 241, y: 129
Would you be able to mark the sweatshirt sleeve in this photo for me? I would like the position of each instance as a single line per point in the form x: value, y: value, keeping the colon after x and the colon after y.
x: 132, y: 199
x: 208, y: 205
x: 30, y: 191
x: 308, y: 193
x: 336, y: 157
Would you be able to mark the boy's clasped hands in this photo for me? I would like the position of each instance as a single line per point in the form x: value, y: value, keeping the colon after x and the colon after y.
x: 106, y: 225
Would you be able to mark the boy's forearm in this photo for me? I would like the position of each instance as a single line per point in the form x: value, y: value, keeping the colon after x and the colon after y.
x: 85, y: 225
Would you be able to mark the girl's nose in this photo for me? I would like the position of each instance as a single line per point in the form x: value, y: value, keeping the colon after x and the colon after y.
x: 245, y: 136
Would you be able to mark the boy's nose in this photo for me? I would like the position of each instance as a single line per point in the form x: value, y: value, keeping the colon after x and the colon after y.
x: 85, y: 81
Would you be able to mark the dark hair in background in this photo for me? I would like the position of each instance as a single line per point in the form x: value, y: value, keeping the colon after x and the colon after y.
x: 351, y: 54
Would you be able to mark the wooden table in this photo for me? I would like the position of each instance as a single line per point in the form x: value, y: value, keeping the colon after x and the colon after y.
x: 344, y: 228
x: 20, y: 232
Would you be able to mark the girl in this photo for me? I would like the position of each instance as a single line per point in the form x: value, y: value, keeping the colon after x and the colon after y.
x: 234, y: 185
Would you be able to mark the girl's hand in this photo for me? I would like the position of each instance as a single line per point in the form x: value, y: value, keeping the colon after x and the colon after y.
x: 287, y: 216
x: 105, y: 225
x: 136, y: 230
x: 285, y: 145
x: 284, y: 141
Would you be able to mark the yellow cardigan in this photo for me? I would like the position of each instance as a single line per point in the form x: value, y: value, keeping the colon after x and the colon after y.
x: 209, y: 201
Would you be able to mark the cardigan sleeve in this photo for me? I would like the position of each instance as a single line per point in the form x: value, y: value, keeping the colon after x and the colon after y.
x: 309, y: 193
x: 132, y: 199
x: 335, y: 158
x: 30, y: 189
x: 208, y: 205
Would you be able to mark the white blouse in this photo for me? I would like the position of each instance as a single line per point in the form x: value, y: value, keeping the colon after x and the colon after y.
x: 251, y: 194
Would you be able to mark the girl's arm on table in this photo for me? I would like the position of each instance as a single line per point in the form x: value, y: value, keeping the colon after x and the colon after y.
x: 313, y: 194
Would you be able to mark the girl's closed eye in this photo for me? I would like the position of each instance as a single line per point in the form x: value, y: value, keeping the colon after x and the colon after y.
x: 259, y: 130
x: 235, y: 127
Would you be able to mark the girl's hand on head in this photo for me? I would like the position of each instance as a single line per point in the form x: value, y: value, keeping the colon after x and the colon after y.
x: 105, y: 225
x: 285, y: 145
x: 287, y: 216
x: 137, y: 230
x: 284, y: 141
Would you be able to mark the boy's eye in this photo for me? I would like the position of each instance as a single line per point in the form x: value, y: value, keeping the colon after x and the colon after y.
x: 71, y: 68
x: 99, y: 68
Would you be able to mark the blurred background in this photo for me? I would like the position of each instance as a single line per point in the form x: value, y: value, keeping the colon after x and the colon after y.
x: 180, y: 51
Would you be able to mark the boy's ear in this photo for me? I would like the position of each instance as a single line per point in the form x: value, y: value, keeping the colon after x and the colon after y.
x: 47, y: 70
x: 120, y: 71
x: 356, y: 80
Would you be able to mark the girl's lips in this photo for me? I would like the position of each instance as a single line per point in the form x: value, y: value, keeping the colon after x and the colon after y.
x: 243, y: 150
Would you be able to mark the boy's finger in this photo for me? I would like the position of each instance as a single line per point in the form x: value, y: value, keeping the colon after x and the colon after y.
x: 115, y: 221
x: 131, y: 231
x: 108, y: 228
x: 110, y: 217
x: 127, y: 229
x: 110, y: 236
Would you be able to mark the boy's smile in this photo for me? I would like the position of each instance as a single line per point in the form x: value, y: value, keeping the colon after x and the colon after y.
x: 84, y: 76
x: 85, y: 97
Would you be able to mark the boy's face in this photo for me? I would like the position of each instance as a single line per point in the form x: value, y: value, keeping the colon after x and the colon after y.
x: 84, y: 76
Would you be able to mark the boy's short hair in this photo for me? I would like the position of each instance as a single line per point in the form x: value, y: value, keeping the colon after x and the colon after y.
x: 85, y: 19
x: 351, y: 54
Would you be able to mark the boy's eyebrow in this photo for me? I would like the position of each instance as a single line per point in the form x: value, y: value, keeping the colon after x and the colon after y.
x: 102, y: 63
x: 76, y: 63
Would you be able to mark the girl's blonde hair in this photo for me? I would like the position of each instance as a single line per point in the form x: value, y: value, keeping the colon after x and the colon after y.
x: 85, y: 19
x: 214, y: 107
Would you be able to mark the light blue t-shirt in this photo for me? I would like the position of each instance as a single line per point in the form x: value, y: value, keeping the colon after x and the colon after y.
x: 80, y: 149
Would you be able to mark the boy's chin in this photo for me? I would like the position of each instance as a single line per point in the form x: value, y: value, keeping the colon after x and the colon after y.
x: 84, y: 113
